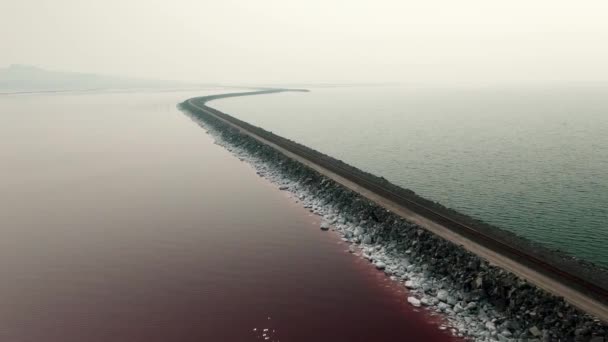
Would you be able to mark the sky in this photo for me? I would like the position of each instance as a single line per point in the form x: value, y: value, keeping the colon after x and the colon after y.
x: 313, y: 41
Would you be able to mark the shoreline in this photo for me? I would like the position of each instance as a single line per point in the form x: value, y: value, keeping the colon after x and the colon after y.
x: 369, y: 234
x: 145, y: 230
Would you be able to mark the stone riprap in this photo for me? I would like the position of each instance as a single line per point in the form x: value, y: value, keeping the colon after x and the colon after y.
x: 477, y: 300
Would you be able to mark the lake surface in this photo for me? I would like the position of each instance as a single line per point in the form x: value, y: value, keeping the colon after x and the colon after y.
x: 531, y: 160
x: 121, y: 221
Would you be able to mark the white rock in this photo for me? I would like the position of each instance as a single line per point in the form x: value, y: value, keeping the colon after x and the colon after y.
x: 506, y: 333
x: 442, y: 295
x: 471, y: 305
x: 535, y: 331
x: 324, y: 226
x: 380, y: 265
x: 414, y: 301
x: 490, y: 326
x: 410, y: 284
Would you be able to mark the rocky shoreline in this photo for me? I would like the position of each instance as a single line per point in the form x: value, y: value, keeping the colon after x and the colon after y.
x: 478, y: 300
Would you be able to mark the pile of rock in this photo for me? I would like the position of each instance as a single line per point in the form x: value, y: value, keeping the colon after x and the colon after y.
x: 478, y: 300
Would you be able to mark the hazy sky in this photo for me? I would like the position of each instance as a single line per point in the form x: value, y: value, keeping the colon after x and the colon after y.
x: 424, y: 41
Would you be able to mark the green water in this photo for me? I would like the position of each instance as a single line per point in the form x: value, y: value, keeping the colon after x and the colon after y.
x: 531, y: 160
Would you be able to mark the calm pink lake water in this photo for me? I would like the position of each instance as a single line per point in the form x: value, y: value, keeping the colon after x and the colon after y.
x: 122, y: 221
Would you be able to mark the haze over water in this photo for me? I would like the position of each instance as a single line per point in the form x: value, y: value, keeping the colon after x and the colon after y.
x: 531, y: 159
x: 123, y: 222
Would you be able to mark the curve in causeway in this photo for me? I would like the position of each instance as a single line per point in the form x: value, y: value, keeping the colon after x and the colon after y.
x: 582, y: 293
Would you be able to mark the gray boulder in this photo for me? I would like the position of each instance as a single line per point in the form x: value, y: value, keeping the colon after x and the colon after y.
x: 442, y: 295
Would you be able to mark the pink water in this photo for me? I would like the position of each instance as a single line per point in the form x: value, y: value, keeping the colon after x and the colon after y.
x: 123, y: 222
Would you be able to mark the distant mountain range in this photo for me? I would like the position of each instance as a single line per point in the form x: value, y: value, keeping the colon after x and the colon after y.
x: 26, y: 78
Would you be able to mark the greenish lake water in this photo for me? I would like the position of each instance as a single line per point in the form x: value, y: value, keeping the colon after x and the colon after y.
x: 530, y: 160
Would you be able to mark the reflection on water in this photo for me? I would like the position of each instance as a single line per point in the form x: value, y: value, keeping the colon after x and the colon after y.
x: 121, y: 221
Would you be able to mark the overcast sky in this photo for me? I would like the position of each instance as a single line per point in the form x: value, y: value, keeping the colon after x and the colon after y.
x: 424, y: 41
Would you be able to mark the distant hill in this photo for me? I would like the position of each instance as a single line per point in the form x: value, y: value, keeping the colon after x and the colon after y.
x: 23, y: 78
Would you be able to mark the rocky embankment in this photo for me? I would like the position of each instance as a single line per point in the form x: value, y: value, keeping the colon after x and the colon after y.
x: 477, y: 300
